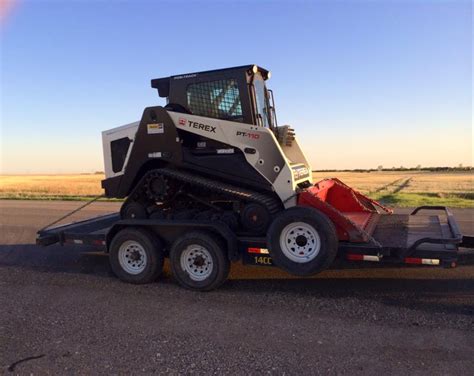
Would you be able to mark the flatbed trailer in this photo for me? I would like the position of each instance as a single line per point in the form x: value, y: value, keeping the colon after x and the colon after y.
x: 417, y: 238
x: 211, y: 178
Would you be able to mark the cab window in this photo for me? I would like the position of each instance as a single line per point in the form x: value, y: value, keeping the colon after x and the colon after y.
x: 216, y: 99
x: 263, y: 118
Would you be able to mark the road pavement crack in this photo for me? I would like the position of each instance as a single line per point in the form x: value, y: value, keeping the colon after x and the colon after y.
x: 12, y: 366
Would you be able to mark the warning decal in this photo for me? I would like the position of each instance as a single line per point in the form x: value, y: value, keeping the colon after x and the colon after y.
x: 155, y: 128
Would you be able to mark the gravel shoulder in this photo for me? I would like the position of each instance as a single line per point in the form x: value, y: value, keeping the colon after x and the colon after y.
x: 61, y: 310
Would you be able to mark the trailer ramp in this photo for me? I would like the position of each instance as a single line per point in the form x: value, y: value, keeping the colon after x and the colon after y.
x: 415, y: 238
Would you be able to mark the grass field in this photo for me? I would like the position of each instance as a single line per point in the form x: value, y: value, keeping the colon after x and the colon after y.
x: 414, y: 188
x: 455, y: 189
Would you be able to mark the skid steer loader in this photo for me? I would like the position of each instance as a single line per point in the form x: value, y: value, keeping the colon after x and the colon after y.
x: 211, y: 178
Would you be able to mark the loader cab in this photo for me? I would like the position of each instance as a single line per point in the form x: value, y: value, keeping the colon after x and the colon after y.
x: 236, y: 94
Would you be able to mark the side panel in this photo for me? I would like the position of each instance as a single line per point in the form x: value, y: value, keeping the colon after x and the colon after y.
x: 227, y: 164
x: 156, y: 142
x: 110, y: 135
x: 295, y: 155
x: 259, y: 145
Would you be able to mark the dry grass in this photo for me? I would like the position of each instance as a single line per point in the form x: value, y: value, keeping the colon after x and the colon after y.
x: 364, y: 182
x: 418, y: 182
x: 26, y: 186
x: 441, y: 183
x: 412, y: 188
x: 394, y: 188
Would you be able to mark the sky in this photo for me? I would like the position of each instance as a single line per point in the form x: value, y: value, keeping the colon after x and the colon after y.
x: 364, y: 83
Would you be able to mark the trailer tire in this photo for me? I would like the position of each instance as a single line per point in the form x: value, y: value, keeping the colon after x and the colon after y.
x: 199, y: 261
x: 136, y: 256
x: 302, y: 241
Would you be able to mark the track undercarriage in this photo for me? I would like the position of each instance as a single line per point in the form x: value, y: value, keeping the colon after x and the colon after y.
x: 174, y: 194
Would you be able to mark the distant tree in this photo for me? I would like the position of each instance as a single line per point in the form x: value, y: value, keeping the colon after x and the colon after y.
x: 380, y: 168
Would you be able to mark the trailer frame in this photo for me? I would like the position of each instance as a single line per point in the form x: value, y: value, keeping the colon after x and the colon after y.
x: 99, y: 231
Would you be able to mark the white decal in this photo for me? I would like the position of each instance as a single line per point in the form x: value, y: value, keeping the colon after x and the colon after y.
x: 225, y: 151
x: 185, y: 76
x: 155, y: 155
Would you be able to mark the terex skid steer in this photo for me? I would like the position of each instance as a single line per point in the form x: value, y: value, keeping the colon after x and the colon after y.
x: 211, y: 178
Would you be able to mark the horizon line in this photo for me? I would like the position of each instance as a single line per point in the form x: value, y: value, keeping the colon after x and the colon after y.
x: 384, y: 169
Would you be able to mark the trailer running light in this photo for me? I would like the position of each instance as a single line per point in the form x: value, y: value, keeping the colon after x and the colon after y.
x: 421, y: 261
x: 89, y: 242
x: 355, y: 257
x: 261, y: 251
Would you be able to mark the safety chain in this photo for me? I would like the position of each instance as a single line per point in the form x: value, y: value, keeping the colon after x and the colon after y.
x: 73, y: 212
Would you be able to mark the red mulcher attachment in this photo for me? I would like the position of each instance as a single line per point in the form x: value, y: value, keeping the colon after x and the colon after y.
x: 354, y: 215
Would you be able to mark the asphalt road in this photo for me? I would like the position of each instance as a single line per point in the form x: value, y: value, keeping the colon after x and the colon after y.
x: 61, y: 311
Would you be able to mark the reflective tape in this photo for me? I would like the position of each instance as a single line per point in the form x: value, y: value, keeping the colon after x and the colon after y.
x: 355, y: 257
x: 262, y: 251
x: 421, y: 261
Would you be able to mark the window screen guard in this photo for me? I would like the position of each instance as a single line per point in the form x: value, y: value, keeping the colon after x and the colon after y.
x: 216, y: 99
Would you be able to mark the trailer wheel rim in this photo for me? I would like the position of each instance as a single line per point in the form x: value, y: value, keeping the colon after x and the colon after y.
x: 197, y: 262
x: 132, y: 257
x: 300, y: 242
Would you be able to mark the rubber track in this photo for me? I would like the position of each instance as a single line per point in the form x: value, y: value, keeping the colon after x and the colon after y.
x: 272, y: 204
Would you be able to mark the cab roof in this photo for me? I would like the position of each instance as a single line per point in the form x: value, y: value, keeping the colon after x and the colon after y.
x: 163, y: 84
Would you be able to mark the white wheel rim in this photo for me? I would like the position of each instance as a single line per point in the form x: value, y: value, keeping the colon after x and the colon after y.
x: 197, y: 261
x: 132, y: 257
x: 300, y: 242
